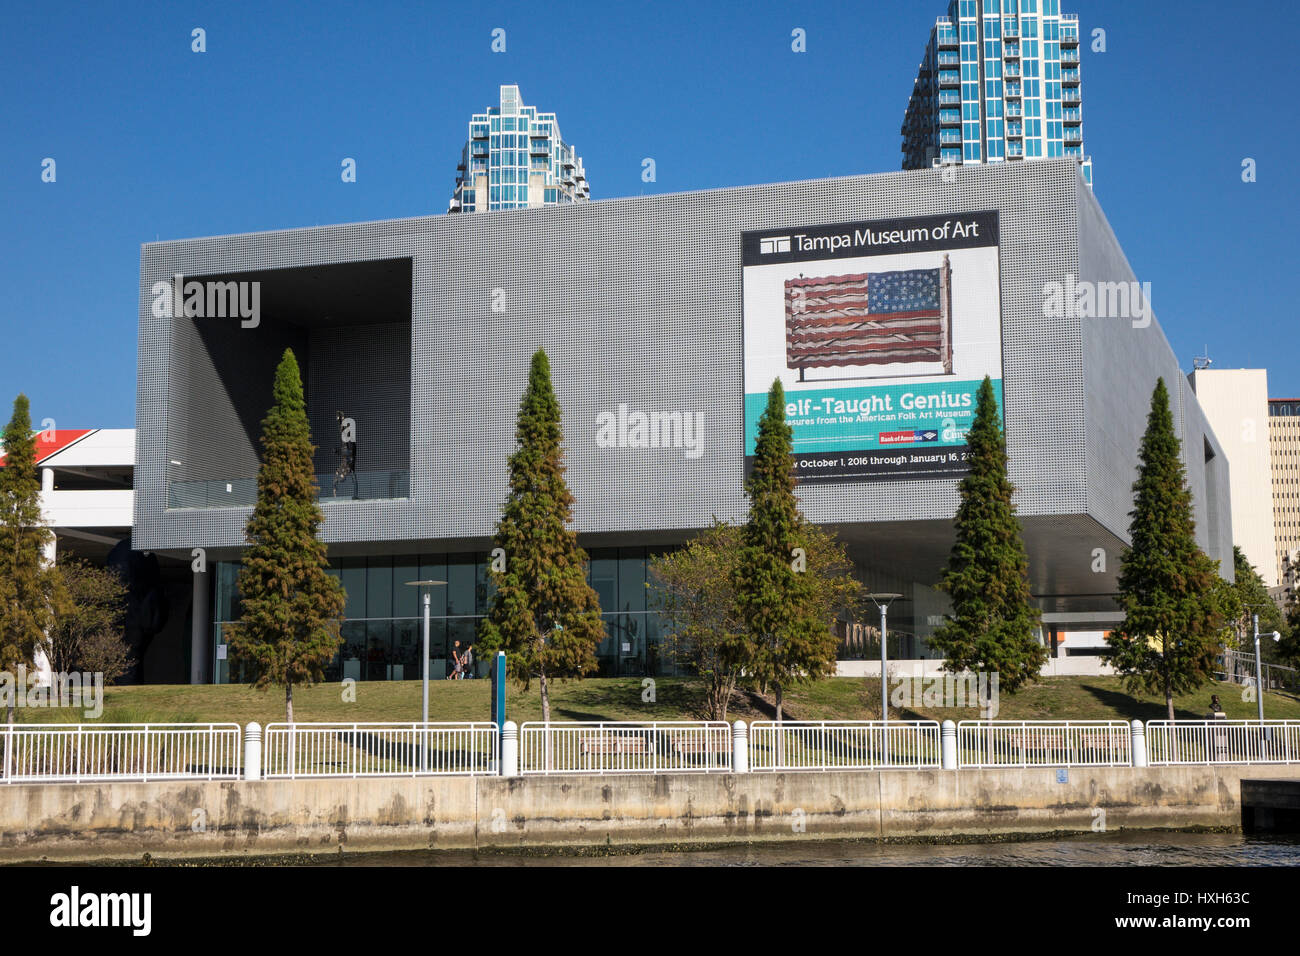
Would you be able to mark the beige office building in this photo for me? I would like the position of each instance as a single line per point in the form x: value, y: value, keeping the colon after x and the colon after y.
x: 1284, y: 442
x: 1237, y: 406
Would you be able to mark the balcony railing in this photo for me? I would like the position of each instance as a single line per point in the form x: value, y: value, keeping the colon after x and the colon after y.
x: 242, y: 492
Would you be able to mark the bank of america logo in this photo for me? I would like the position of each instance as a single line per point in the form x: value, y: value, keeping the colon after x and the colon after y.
x: 774, y: 244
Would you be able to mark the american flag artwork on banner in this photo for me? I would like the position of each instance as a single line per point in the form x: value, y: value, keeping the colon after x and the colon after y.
x: 874, y: 318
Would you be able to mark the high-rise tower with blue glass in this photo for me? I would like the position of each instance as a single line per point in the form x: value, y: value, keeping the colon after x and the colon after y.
x: 515, y: 158
x: 999, y: 83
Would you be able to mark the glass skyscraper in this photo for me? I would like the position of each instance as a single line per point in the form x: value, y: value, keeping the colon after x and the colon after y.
x: 999, y: 83
x: 515, y: 158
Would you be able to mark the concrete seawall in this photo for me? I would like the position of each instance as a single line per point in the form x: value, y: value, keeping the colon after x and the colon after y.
x: 176, y: 819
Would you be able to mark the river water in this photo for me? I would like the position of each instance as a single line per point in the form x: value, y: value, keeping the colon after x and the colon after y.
x: 1121, y: 849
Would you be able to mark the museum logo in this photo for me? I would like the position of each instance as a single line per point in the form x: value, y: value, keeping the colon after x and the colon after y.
x: 774, y: 244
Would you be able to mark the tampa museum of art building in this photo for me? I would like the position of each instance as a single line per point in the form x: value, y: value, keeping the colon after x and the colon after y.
x: 880, y: 301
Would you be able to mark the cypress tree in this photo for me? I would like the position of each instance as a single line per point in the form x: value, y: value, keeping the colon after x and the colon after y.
x: 29, y: 588
x: 790, y: 642
x: 1168, y: 640
x: 993, y: 621
x: 289, y: 629
x: 544, y: 614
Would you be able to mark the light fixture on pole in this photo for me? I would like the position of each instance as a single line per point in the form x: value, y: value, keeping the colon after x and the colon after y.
x: 425, y: 590
x: 882, y: 600
x: 1259, y: 676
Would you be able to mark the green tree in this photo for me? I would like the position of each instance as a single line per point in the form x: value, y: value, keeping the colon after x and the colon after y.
x: 694, y: 591
x: 544, y: 614
x: 87, y: 634
x: 1172, y: 605
x: 791, y: 643
x: 289, y: 629
x: 994, y: 622
x: 30, y: 589
x: 1244, y: 597
x: 1289, y: 649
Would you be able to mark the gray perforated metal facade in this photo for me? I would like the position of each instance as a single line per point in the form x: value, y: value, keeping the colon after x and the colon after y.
x: 638, y: 301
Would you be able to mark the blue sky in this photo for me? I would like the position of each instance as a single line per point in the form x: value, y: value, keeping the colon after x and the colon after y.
x: 153, y: 141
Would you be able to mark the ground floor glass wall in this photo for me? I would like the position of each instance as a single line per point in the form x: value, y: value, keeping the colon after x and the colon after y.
x: 382, y: 621
x: 382, y: 626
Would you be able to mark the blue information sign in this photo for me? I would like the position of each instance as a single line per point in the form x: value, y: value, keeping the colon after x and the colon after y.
x: 499, y: 689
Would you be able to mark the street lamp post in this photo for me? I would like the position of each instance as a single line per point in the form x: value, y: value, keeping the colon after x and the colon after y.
x: 424, y: 587
x: 1259, y: 683
x: 1259, y: 668
x: 882, y: 600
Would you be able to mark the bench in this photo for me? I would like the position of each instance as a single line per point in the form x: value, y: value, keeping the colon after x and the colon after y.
x: 612, y: 745
x: 695, y: 745
x: 1061, y: 742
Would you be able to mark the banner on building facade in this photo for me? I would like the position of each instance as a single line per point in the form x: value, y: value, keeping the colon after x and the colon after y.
x: 880, y: 333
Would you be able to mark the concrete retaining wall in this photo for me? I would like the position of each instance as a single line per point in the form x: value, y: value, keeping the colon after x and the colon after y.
x: 84, y: 821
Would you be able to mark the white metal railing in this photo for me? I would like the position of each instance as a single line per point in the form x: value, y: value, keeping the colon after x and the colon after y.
x: 379, y: 749
x: 625, y: 747
x: 72, y: 753
x: 1043, y: 743
x: 1238, y: 667
x: 843, y: 745
x: 1223, y: 741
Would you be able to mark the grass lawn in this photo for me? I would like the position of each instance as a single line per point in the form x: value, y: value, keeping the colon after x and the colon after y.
x: 840, y: 698
x: 1052, y: 698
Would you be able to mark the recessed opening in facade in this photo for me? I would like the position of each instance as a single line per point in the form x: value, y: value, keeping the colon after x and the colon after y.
x: 349, y: 326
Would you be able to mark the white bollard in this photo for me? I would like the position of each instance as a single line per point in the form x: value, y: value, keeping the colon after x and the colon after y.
x: 739, y: 747
x: 948, y: 733
x: 1139, y: 744
x: 253, y: 751
x: 510, y: 749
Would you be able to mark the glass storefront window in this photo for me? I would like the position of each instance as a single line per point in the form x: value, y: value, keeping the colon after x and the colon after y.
x: 460, y: 588
x: 382, y: 632
x: 631, y: 579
